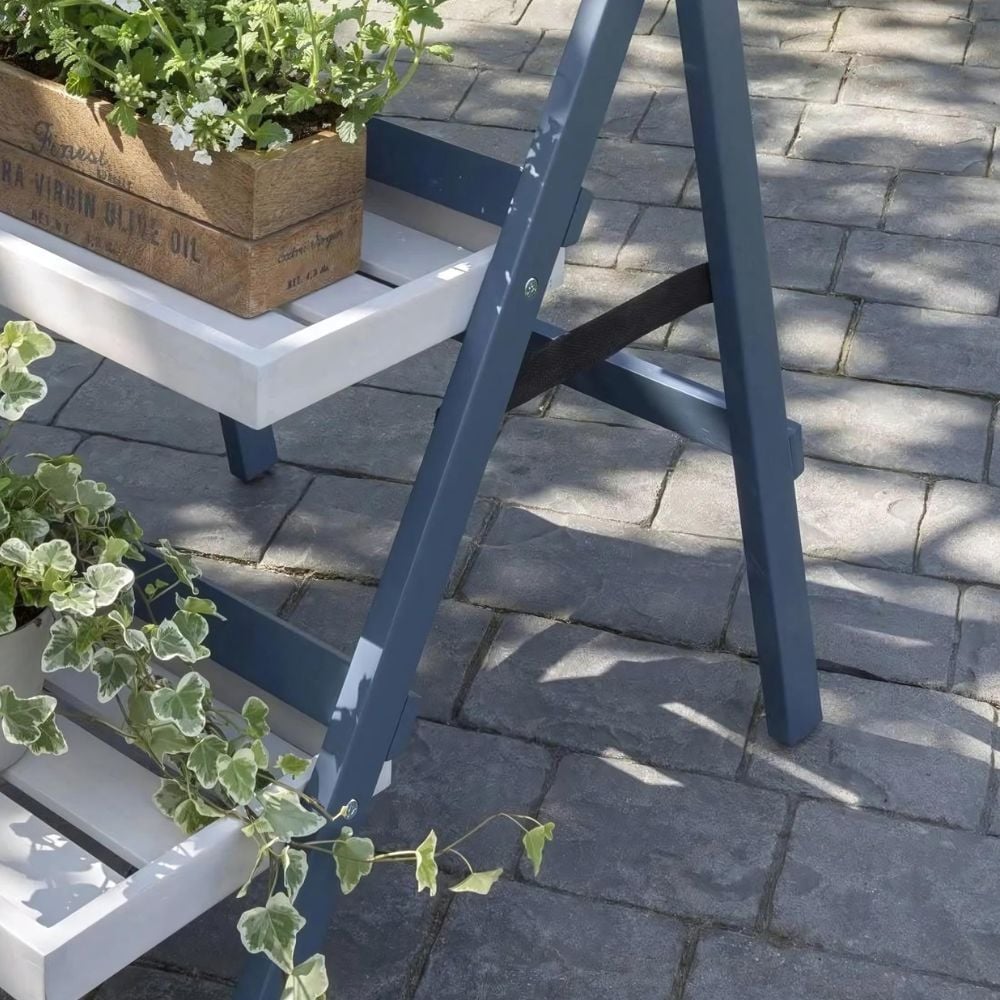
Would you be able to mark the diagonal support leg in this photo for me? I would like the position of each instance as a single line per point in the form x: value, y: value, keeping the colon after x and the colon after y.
x: 377, y: 686
x: 748, y: 346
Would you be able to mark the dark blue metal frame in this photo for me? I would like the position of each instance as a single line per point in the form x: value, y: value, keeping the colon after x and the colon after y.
x: 367, y: 704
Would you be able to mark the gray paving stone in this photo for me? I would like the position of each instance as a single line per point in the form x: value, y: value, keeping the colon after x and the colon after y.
x: 884, y: 746
x: 838, y: 193
x: 265, y: 590
x: 604, y: 234
x: 734, y: 967
x: 347, y: 526
x: 192, y: 499
x: 611, y: 952
x: 893, y: 890
x: 335, y: 611
x: 649, y: 583
x: 911, y: 85
x: 804, y: 76
x: 803, y: 254
x: 618, y: 697
x: 914, y: 270
x: 568, y: 404
x: 811, y: 330
x: 895, y: 626
x: 428, y: 372
x: 902, y: 36
x: 994, y: 467
x: 668, y: 121
x: 960, y: 533
x: 906, y: 139
x: 953, y: 8
x: 560, y: 14
x: 27, y: 439
x: 896, y: 427
x: 142, y: 983
x: 119, y: 402
x: 845, y: 512
x: 581, y: 468
x: 450, y: 780
x: 493, y: 11
x: 515, y: 100
x: 481, y: 45
x: 436, y: 92
x: 985, y: 10
x: 977, y: 668
x: 927, y: 347
x: 985, y: 47
x: 64, y: 373
x: 361, y: 430
x: 958, y: 208
x: 639, y: 173
x: 375, y: 941
x: 588, y: 292
x: 788, y: 26
x: 671, y: 852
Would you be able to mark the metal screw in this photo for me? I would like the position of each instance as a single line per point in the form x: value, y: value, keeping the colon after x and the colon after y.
x: 532, y: 288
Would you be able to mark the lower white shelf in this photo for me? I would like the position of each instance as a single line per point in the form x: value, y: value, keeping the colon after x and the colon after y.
x: 68, y: 922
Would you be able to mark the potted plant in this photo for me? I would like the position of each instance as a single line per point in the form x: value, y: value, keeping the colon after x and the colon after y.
x: 216, y: 146
x: 70, y: 600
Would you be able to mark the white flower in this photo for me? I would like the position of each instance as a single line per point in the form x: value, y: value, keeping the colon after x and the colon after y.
x: 181, y: 137
x: 236, y: 139
x: 213, y: 106
x: 163, y: 115
x: 203, y: 156
x: 129, y: 6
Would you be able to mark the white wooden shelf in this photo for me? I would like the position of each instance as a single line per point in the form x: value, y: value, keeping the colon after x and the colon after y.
x: 68, y: 922
x: 422, y: 268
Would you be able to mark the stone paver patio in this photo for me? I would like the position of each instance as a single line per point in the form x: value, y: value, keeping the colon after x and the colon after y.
x: 592, y: 661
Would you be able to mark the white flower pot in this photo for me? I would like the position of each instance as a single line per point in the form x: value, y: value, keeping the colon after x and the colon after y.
x: 21, y: 669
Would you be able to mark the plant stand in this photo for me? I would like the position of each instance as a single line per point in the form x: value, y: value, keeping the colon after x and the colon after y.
x: 456, y: 244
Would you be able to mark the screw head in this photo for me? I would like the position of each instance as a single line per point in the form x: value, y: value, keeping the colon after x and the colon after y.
x: 532, y: 288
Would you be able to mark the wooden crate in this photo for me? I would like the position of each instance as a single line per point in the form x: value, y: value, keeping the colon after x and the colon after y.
x: 250, y: 233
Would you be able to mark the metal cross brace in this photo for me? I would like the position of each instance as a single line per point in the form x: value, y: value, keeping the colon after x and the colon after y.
x: 541, y: 209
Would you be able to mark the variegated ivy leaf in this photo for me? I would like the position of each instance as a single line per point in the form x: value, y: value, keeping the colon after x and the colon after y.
x: 173, y: 800
x: 191, y: 816
x: 60, y: 480
x: 198, y: 606
x: 427, y: 866
x: 94, y: 499
x: 169, y: 796
x: 180, y: 638
x: 184, y: 705
x: 8, y: 599
x: 295, y: 868
x: 136, y: 640
x: 204, y: 760
x: 28, y: 525
x: 534, y: 844
x: 284, y: 813
x: 238, y: 775
x: 67, y: 647
x: 50, y: 562
x: 108, y: 581
x: 50, y: 742
x: 114, y: 550
x: 293, y: 765
x: 30, y: 342
x: 4, y: 516
x: 260, y: 754
x: 165, y: 738
x: 15, y: 552
x: 21, y: 719
x: 255, y: 712
x: 308, y: 981
x: 272, y: 929
x: 181, y: 563
x: 114, y: 672
x: 480, y: 883
x: 20, y: 391
x: 77, y: 598
x: 354, y: 857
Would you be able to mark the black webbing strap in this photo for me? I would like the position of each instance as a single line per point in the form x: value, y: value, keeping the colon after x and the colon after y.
x: 600, y: 338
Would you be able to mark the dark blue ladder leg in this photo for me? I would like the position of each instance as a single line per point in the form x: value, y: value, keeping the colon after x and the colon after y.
x: 251, y: 453
x: 748, y: 346
x: 377, y: 686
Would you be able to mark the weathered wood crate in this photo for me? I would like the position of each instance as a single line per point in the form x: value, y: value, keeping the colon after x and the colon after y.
x: 249, y: 233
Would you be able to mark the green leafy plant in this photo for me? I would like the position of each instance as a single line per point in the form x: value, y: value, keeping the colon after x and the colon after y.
x: 221, y: 74
x: 66, y: 547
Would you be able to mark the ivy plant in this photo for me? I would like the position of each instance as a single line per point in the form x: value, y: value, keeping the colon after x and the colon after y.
x: 68, y: 548
x: 220, y: 75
